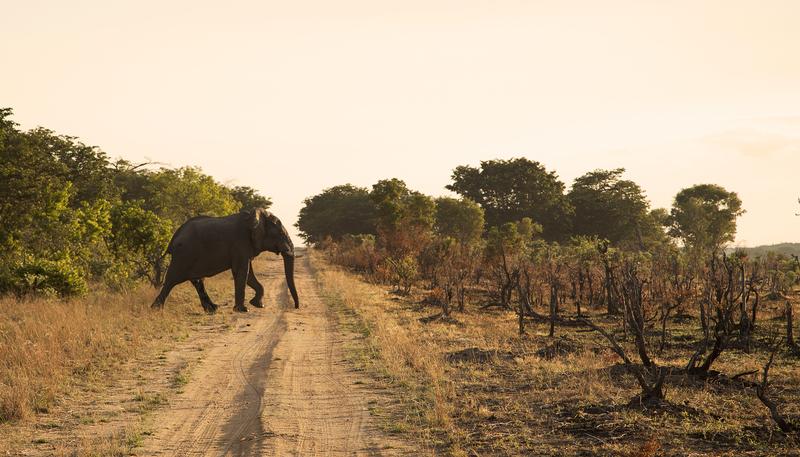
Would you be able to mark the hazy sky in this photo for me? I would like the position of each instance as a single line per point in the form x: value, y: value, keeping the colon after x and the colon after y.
x: 291, y: 97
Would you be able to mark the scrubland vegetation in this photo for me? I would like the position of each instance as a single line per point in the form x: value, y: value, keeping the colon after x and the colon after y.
x: 527, y: 319
x: 519, y: 318
x: 71, y: 216
x: 82, y: 241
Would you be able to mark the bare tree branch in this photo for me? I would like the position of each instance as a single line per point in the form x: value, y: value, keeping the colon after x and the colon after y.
x: 761, y: 391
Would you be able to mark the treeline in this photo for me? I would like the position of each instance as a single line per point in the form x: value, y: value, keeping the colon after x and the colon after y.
x: 69, y: 215
x: 517, y: 239
x: 510, y: 208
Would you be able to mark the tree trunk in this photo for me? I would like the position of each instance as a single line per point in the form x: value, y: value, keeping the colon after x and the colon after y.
x: 611, y: 303
x: 553, y: 308
x: 789, y: 327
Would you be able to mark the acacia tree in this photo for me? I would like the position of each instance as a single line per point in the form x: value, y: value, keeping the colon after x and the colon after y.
x: 552, y: 265
x: 504, y: 256
x: 704, y: 218
x: 724, y: 286
x: 510, y: 190
x: 633, y: 279
x: 607, y: 206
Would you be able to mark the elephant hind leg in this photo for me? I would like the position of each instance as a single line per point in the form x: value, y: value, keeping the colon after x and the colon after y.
x: 158, y: 303
x: 205, y: 301
x: 256, y: 286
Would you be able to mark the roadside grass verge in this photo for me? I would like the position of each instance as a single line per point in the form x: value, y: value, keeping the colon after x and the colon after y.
x: 118, y: 444
x: 391, y: 353
x: 50, y: 345
x: 472, y: 385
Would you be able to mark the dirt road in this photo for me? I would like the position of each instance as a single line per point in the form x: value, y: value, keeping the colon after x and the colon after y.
x: 277, y: 385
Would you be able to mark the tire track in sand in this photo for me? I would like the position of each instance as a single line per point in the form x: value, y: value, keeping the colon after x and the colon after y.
x: 219, y: 411
x: 278, y: 385
x: 315, y: 404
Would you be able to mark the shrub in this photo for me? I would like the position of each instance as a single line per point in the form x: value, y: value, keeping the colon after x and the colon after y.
x: 44, y: 277
x: 402, y: 272
x: 355, y: 251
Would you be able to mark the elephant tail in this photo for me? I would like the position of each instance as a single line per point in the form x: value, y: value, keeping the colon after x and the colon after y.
x: 172, y: 241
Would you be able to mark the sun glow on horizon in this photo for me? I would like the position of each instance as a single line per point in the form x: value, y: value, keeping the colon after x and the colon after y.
x: 294, y: 97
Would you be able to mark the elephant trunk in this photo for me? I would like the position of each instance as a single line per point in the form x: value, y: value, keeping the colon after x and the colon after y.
x: 288, y: 268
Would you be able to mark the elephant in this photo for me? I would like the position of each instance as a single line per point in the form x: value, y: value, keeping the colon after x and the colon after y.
x: 205, y: 246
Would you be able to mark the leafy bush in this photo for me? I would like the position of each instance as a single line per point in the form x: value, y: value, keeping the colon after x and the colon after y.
x: 44, y: 277
x: 354, y: 251
x: 138, y: 243
x: 402, y: 272
x: 70, y: 215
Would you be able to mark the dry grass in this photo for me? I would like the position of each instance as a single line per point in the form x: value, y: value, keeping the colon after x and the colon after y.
x: 391, y: 350
x: 119, y: 444
x: 475, y: 387
x: 51, y: 345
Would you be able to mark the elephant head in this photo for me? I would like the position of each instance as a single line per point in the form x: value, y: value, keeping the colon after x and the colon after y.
x: 268, y: 234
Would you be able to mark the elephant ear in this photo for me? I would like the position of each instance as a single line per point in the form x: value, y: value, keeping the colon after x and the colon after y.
x: 257, y: 221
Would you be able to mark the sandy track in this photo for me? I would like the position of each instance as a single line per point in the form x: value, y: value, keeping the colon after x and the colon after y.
x: 277, y: 385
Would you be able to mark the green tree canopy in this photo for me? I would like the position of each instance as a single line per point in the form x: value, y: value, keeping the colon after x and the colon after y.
x: 509, y: 190
x: 34, y: 190
x: 181, y: 193
x: 335, y: 212
x: 249, y: 198
x: 405, y: 217
x: 140, y: 238
x: 86, y: 167
x: 460, y: 219
x: 67, y: 213
x: 608, y: 206
x: 704, y: 217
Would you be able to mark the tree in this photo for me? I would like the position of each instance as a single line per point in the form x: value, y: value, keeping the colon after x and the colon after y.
x: 33, y: 189
x: 609, y: 207
x: 455, y: 254
x: 181, y: 193
x: 68, y: 214
x: 139, y: 240
x: 86, y: 167
x: 704, y: 217
x: 249, y: 198
x: 510, y: 190
x: 504, y: 257
x: 652, y: 229
x: 460, y: 219
x: 389, y: 197
x: 405, y: 218
x: 336, y: 212
x: 584, y: 260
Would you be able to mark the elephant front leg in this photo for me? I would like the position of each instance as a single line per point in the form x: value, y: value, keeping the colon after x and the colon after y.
x: 240, y: 273
x: 256, y: 286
